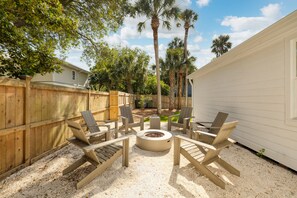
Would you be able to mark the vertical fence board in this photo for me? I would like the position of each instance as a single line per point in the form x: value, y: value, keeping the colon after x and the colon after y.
x: 10, y: 107
x: 10, y: 157
x: 20, y: 102
x: 19, y: 148
x: 2, y: 107
x: 3, y: 147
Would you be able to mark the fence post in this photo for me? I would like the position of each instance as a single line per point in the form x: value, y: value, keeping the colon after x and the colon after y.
x: 113, y: 105
x: 27, y: 121
x: 88, y: 100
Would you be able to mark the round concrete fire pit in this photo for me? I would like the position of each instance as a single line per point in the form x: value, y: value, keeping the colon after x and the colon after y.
x: 154, y: 140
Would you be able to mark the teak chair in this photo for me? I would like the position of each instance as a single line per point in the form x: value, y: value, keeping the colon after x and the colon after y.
x: 183, y: 119
x: 210, y: 127
x: 93, y: 125
x: 210, y: 152
x: 100, y: 155
x: 128, y: 121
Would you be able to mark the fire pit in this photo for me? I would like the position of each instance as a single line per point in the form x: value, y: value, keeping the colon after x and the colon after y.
x: 154, y: 140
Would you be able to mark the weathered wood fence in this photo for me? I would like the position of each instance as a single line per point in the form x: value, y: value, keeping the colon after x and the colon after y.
x: 32, y: 118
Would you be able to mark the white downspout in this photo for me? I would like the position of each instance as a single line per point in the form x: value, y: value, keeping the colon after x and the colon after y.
x: 192, y: 86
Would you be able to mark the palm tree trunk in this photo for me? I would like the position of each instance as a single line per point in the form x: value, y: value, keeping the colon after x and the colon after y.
x: 186, y: 57
x: 156, y: 48
x: 180, y: 88
x: 171, y: 92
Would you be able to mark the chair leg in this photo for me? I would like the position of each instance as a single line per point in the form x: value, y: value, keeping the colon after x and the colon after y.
x: 203, y: 169
x: 228, y: 167
x: 176, y: 154
x: 75, y: 165
x: 169, y: 125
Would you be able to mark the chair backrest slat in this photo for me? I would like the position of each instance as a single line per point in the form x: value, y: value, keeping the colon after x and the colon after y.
x: 79, y: 134
x: 222, y: 136
x: 90, y: 121
x: 218, y: 122
x: 185, y: 112
x: 126, y: 111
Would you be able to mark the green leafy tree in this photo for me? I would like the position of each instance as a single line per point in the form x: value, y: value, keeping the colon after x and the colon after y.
x: 32, y: 31
x: 189, y: 17
x: 156, y: 10
x: 151, y: 86
x: 221, y: 45
x: 120, y: 68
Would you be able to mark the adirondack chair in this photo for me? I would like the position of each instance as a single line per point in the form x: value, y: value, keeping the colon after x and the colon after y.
x: 93, y: 125
x: 100, y: 155
x: 210, y: 152
x: 183, y: 119
x: 128, y: 121
x: 210, y: 127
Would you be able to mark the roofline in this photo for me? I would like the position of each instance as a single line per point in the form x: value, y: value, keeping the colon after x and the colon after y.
x: 71, y: 66
x: 272, y: 34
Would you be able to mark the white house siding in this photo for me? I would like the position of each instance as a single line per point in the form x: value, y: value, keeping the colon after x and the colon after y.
x: 46, y: 77
x: 252, y: 90
x: 66, y: 76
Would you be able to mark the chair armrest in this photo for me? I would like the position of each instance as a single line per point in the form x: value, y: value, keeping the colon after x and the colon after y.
x: 95, y: 146
x: 205, y: 133
x: 196, y: 142
x: 96, y: 133
x: 139, y: 116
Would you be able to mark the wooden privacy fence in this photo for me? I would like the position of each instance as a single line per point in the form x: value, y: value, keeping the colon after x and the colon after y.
x: 165, y: 101
x: 32, y: 118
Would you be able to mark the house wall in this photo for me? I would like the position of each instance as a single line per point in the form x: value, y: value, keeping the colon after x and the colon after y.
x: 46, y: 77
x: 66, y: 76
x: 253, y: 90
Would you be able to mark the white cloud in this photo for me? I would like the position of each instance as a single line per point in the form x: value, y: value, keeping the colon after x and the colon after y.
x: 183, y: 4
x: 198, y: 39
x: 202, y: 3
x: 244, y: 27
x: 115, y: 40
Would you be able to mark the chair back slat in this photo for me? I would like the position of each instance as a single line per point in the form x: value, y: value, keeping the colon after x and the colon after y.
x: 78, y: 132
x: 218, y: 122
x: 185, y: 112
x: 225, y: 132
x: 126, y: 111
x: 90, y: 121
x: 221, y: 137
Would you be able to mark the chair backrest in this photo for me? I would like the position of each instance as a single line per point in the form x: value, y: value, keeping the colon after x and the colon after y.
x: 80, y: 135
x: 221, y: 137
x: 218, y: 122
x: 90, y: 121
x: 185, y: 112
x: 78, y: 132
x: 126, y: 111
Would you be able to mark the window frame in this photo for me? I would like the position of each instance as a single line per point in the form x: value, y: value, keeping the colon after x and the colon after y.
x: 73, y: 75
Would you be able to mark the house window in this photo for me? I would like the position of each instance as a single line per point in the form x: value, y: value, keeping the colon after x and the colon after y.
x: 73, y: 75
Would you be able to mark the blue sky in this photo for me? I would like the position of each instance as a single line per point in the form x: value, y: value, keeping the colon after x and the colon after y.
x: 240, y: 19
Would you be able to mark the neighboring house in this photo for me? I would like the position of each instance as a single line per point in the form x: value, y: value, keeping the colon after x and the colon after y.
x: 256, y: 83
x: 71, y: 75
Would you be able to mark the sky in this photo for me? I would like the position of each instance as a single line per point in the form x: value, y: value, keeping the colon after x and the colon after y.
x: 240, y: 19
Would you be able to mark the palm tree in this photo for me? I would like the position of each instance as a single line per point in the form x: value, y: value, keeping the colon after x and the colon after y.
x: 156, y: 10
x: 189, y: 17
x: 174, y: 58
x: 221, y: 45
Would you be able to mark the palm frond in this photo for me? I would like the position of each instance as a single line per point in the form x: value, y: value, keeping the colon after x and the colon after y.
x: 140, y: 26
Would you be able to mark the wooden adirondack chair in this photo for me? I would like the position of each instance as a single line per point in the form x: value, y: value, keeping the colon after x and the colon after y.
x: 209, y: 151
x: 100, y: 155
x: 93, y: 125
x: 210, y: 127
x: 183, y: 119
x: 128, y: 121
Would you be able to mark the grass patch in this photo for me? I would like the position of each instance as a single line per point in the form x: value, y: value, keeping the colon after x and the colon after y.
x: 164, y: 118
